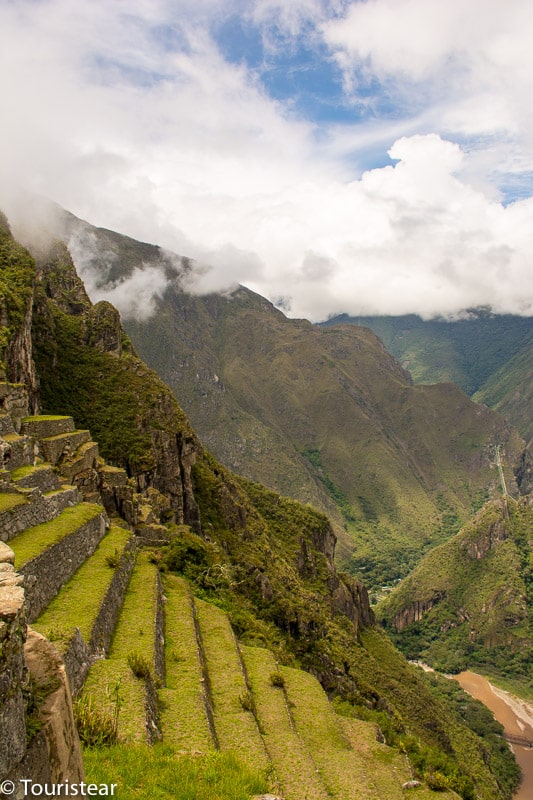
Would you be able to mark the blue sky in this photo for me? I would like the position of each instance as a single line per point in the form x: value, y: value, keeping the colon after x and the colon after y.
x: 363, y: 157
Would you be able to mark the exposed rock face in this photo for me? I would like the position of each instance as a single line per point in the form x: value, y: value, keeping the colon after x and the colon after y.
x: 13, y: 680
x: 29, y: 664
x: 54, y: 755
x: 20, y: 366
x: 105, y: 329
x: 486, y: 536
x: 415, y: 611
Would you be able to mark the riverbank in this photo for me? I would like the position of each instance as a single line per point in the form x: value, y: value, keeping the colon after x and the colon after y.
x: 514, y: 714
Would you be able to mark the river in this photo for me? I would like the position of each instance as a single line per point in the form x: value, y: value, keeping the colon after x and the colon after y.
x: 515, y: 715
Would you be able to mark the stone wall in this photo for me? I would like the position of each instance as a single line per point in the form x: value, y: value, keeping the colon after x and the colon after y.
x: 13, y: 680
x: 46, y: 573
x: 80, y: 654
x: 32, y: 674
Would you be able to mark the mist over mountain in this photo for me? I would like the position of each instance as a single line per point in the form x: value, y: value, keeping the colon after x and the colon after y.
x: 324, y: 415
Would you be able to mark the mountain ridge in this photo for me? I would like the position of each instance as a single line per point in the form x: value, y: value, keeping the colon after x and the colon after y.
x: 350, y: 432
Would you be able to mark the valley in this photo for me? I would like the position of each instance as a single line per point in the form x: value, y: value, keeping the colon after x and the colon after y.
x: 270, y: 665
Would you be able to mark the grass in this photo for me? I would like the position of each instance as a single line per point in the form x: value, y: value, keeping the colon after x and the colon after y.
x: 162, y: 773
x: 9, y: 501
x: 78, y: 602
x: 35, y: 540
x: 23, y: 472
x: 294, y: 767
x: 134, y: 633
x: 342, y: 769
x: 44, y: 418
x: 183, y: 714
x: 236, y: 728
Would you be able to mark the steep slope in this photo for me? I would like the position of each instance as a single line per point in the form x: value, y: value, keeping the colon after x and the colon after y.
x: 510, y: 391
x: 470, y: 601
x: 264, y: 559
x: 323, y: 415
x: 488, y: 355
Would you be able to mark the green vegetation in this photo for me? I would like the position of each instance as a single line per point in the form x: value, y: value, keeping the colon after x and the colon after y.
x: 79, y: 600
x: 477, y: 594
x: 17, y: 275
x: 135, y: 632
x: 236, y: 727
x: 466, y: 351
x: 510, y: 390
x: 10, y: 501
x: 34, y: 540
x: 97, y: 728
x: 264, y: 560
x: 481, y: 721
x: 183, y: 713
x: 163, y: 773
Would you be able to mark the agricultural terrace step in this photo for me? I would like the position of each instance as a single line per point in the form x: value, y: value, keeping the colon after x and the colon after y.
x: 49, y: 554
x: 21, y: 511
x: 44, y: 426
x: 83, y: 459
x: 20, y: 451
x: 90, y: 602
x: 38, y: 476
x: 184, y: 715
x: 236, y: 728
x: 342, y: 769
x: 295, y: 769
x: 134, y: 634
x: 63, y: 445
x: 389, y: 768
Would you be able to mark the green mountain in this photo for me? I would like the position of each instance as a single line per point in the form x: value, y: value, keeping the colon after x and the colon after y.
x: 324, y: 415
x: 510, y: 391
x: 488, y: 355
x: 469, y: 603
x: 260, y: 567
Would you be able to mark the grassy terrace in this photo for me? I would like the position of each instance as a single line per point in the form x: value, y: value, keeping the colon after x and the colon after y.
x: 183, y: 714
x: 31, y: 469
x: 395, y: 768
x: 342, y: 768
x: 34, y: 540
x: 134, y: 634
x: 78, y: 602
x: 161, y: 773
x: 235, y: 726
x: 9, y: 501
x: 293, y: 764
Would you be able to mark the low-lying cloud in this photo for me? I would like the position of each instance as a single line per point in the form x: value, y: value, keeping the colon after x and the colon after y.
x: 128, y: 115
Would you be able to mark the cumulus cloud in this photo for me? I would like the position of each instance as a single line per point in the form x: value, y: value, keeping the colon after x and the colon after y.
x: 129, y: 115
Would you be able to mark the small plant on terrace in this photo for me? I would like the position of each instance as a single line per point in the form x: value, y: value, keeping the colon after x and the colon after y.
x: 139, y: 665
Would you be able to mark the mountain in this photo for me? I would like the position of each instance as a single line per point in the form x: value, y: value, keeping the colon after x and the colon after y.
x: 469, y: 603
x: 324, y: 415
x: 244, y: 551
x: 474, y: 352
x: 510, y: 391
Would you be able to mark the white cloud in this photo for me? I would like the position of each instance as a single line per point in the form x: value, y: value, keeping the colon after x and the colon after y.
x: 128, y: 115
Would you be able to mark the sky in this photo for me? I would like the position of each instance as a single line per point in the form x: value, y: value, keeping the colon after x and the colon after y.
x: 368, y: 157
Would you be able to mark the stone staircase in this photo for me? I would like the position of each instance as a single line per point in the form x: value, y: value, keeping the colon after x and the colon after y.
x: 164, y: 664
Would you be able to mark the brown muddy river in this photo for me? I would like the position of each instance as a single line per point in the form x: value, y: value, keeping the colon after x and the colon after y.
x: 516, y: 718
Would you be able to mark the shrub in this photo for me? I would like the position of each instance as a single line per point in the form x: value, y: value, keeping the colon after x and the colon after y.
x: 277, y: 679
x: 247, y: 701
x: 139, y: 665
x: 96, y: 728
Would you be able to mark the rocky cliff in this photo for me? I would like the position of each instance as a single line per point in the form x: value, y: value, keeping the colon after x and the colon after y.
x: 84, y: 365
x: 469, y: 601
